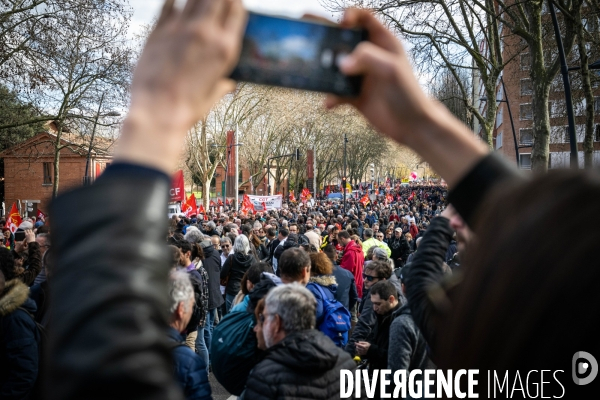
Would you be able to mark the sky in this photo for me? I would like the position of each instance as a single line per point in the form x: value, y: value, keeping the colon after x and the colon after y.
x: 145, y: 11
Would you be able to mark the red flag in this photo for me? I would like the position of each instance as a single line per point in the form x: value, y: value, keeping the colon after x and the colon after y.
x: 365, y: 200
x: 201, y: 210
x: 14, y: 219
x: 292, y: 197
x: 247, y: 205
x: 189, y: 208
x: 411, y: 196
x: 219, y: 202
x: 177, y: 190
x: 327, y: 191
x: 228, y: 202
x: 389, y: 198
x: 41, y: 216
x: 212, y: 203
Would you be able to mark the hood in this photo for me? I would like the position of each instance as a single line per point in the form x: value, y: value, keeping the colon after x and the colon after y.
x: 15, y: 294
x: 405, y: 309
x: 306, y: 350
x: 325, y: 280
x: 243, y: 259
x: 260, y: 290
x: 208, y: 251
x: 353, y: 248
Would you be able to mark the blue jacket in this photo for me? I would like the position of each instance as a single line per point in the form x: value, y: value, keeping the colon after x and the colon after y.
x: 329, y: 286
x: 19, y: 343
x: 189, y: 369
x: 242, y: 305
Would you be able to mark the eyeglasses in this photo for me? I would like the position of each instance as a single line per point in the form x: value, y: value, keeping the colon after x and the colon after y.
x: 369, y: 277
x: 226, y: 245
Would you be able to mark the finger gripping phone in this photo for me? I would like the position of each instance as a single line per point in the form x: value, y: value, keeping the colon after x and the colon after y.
x: 298, y: 54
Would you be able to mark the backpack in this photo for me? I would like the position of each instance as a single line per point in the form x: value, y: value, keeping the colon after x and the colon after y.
x: 233, y: 351
x: 336, y: 319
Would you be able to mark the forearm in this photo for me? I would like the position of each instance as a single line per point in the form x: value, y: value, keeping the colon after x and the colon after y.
x: 35, y: 264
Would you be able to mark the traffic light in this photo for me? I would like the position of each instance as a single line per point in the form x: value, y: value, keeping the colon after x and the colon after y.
x: 344, y: 182
x: 297, y: 154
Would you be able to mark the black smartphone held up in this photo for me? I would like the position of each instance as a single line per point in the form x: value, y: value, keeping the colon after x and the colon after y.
x: 298, y: 54
x: 19, y: 236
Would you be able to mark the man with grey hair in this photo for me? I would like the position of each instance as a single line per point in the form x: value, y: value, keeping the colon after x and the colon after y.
x: 312, y: 369
x: 189, y: 368
x: 193, y: 235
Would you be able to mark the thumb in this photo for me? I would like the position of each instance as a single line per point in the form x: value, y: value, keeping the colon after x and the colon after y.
x: 368, y: 59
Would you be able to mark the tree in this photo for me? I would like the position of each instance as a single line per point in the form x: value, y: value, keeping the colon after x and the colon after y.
x: 448, y: 91
x: 78, y: 65
x: 13, y: 109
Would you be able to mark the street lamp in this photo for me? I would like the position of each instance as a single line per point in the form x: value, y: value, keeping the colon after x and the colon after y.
x: 344, y: 179
x: 228, y: 147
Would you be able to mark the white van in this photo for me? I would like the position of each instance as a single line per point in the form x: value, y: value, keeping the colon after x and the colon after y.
x: 174, y: 209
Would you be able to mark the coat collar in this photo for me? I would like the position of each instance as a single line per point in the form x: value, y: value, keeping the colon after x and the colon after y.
x: 13, y: 296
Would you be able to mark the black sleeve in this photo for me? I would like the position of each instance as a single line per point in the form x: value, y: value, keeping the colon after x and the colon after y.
x: 353, y: 298
x: 226, y: 267
x: 469, y: 193
x: 364, y: 326
x: 425, y: 273
x: 110, y: 289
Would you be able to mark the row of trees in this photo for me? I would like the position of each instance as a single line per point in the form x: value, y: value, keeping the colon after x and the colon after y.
x: 66, y: 61
x: 473, y: 37
x: 272, y: 122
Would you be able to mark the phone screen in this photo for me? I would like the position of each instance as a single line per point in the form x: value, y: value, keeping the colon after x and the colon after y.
x: 297, y: 54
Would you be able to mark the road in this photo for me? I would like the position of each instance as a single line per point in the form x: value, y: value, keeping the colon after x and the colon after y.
x: 218, y: 391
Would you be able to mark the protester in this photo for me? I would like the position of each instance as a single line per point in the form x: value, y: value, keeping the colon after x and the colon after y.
x: 346, y: 291
x: 300, y: 362
x: 190, y: 369
x: 235, y: 267
x: 352, y: 260
x: 370, y: 241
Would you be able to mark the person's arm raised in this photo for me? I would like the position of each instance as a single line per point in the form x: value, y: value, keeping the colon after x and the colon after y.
x: 392, y: 100
x: 180, y: 75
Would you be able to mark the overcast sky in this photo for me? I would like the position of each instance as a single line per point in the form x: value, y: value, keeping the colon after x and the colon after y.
x: 145, y: 11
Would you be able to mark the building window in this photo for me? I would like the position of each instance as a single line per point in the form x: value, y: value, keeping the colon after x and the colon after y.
x: 579, y: 107
x: 526, y: 87
x: 525, y: 62
x: 47, y: 173
x: 526, y: 137
x: 566, y: 136
x: 498, y: 140
x: 526, y: 112
x: 597, y: 133
x: 597, y: 104
x: 525, y: 161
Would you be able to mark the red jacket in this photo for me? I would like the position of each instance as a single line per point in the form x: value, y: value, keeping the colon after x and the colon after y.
x: 353, y: 260
x: 414, y: 231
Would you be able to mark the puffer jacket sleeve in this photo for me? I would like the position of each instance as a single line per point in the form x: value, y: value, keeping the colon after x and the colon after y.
x: 196, y: 385
x: 21, y: 354
x: 259, y: 386
x: 110, y: 289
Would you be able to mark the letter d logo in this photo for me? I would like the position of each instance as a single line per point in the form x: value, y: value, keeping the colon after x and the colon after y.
x: 582, y: 367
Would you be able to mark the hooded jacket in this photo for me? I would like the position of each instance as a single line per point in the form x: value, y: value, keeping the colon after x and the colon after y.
x: 236, y: 266
x: 19, y: 342
x: 304, y: 365
x: 212, y: 265
x: 329, y: 286
x: 353, y: 261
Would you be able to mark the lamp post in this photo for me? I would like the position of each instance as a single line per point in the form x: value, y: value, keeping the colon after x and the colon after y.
x: 86, y: 178
x: 226, y: 167
x: 345, y: 179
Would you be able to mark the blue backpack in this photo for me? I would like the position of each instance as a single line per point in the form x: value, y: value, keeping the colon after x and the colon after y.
x: 336, y: 319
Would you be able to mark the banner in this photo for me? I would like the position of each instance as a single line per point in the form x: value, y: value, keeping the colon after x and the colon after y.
x: 177, y: 190
x: 271, y: 202
x: 413, y: 176
x: 41, y: 216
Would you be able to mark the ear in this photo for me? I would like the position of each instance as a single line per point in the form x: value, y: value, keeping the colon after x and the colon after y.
x: 179, y: 311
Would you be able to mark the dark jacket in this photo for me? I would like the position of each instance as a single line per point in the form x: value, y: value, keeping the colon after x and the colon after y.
x: 379, y: 340
x: 40, y: 295
x: 346, y: 287
x: 19, y: 343
x: 400, y: 250
x: 110, y: 288
x: 365, y: 324
x: 34, y: 264
x: 407, y: 346
x: 236, y: 266
x: 304, y: 365
x: 212, y: 265
x: 189, y: 369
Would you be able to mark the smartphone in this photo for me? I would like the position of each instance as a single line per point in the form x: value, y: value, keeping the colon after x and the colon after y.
x: 19, y: 236
x: 299, y: 54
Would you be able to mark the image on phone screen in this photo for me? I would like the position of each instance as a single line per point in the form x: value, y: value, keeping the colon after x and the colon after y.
x: 297, y: 54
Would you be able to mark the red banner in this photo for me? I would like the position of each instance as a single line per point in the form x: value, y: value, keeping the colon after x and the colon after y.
x: 177, y: 189
x: 41, y: 216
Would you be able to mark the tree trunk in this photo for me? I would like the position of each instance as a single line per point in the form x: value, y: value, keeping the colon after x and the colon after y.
x: 55, y: 180
x: 206, y: 193
x: 588, y: 142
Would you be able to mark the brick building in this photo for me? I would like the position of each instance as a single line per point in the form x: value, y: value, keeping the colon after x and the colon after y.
x: 519, y: 89
x: 29, y: 167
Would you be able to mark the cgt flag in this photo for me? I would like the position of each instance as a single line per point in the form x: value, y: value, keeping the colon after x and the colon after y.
x: 189, y: 208
x: 14, y: 219
x: 365, y: 200
x: 41, y: 216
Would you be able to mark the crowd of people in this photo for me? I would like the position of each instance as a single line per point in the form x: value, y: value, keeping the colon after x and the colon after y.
x: 278, y: 303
